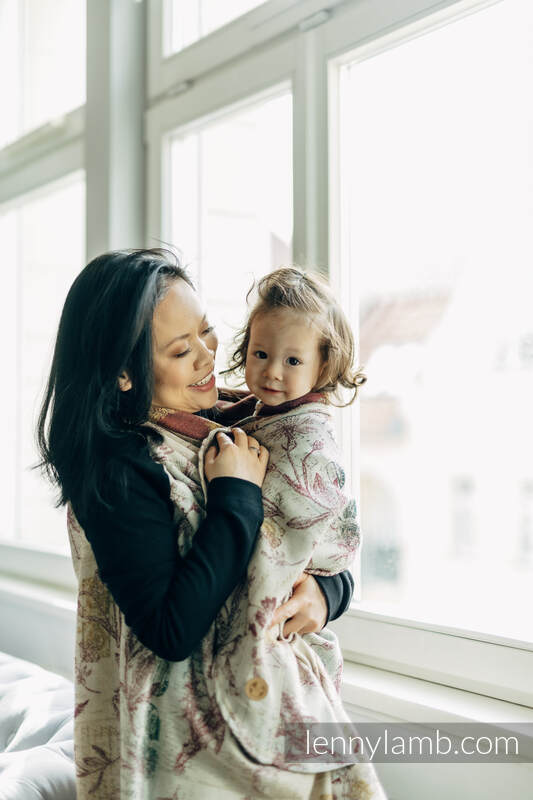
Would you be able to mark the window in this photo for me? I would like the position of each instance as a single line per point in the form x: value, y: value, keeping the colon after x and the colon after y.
x: 42, y: 62
x: 231, y: 204
x: 437, y: 176
x: 465, y: 536
x: 43, y: 240
x: 524, y: 552
x: 395, y: 196
x: 42, y: 236
x: 186, y: 21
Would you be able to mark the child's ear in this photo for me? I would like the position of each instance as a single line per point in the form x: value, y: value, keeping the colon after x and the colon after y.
x: 124, y: 382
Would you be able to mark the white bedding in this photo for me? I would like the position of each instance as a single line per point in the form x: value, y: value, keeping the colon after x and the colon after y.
x: 36, y: 733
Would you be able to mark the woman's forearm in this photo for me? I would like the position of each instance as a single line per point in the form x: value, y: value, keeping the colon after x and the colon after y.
x: 212, y: 568
x: 168, y: 601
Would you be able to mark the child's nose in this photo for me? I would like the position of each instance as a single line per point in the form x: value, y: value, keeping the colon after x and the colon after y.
x: 272, y: 370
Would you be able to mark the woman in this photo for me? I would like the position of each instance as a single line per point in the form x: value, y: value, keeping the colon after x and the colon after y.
x: 134, y: 350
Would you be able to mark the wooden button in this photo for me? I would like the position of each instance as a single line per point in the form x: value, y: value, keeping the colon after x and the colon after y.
x: 256, y: 688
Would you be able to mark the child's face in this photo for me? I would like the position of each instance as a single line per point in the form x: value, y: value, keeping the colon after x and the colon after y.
x: 283, y: 359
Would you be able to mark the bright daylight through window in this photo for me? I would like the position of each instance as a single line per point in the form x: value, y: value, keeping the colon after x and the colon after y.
x: 190, y: 20
x: 41, y: 274
x: 231, y: 204
x: 438, y: 182
x: 42, y: 50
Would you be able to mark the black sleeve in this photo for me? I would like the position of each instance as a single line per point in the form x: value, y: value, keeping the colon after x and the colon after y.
x: 338, y: 591
x: 168, y: 601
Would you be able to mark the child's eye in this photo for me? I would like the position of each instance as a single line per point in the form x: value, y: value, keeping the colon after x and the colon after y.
x: 209, y: 329
x: 293, y: 361
x: 260, y: 354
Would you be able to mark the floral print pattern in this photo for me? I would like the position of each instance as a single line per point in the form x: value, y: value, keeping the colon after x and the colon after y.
x: 148, y: 728
x: 310, y: 524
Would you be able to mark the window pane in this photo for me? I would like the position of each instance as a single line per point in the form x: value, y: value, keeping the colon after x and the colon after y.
x: 231, y: 205
x: 190, y: 20
x: 45, y: 240
x: 10, y: 118
x: 438, y: 178
x: 42, y: 60
x: 8, y: 408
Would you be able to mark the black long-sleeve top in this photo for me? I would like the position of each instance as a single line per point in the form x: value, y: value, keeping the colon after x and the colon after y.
x: 170, y: 601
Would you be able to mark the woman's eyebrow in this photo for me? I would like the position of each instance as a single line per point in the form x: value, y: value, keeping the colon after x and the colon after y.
x: 183, y: 335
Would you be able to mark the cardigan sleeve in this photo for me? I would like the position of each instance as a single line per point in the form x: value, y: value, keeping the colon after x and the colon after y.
x: 338, y: 591
x: 167, y: 600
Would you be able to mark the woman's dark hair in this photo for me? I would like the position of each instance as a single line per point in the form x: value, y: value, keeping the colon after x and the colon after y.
x: 105, y: 328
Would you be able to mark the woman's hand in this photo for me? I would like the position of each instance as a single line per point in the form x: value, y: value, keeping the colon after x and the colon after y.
x: 244, y: 458
x: 306, y: 611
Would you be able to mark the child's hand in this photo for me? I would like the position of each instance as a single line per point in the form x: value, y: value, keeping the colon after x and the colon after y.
x: 305, y: 611
x: 243, y: 458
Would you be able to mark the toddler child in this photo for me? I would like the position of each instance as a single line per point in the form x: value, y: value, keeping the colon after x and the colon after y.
x: 296, y: 350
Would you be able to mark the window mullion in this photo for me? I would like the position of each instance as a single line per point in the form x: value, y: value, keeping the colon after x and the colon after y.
x: 114, y: 126
x: 310, y: 153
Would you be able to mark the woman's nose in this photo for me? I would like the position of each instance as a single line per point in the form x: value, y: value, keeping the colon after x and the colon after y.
x: 204, y: 354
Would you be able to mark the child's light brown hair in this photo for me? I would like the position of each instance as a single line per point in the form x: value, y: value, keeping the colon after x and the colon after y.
x: 307, y: 293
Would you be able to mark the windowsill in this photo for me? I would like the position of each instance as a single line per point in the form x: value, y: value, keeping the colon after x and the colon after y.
x: 32, y: 566
x: 443, y: 656
x: 54, y: 599
x: 379, y: 695
x: 419, y: 620
x: 374, y: 694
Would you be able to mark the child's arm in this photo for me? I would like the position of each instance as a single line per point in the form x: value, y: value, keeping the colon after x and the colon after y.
x: 304, y: 493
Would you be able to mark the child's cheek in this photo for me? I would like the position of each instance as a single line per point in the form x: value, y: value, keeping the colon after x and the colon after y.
x: 248, y: 376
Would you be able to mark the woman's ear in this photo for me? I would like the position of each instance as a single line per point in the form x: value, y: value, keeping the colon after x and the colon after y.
x: 124, y: 382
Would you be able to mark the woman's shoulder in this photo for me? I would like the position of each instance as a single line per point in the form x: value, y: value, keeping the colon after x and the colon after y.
x: 131, y: 475
x: 133, y: 455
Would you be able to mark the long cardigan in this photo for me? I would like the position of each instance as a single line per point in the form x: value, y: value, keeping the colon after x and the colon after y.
x: 150, y: 728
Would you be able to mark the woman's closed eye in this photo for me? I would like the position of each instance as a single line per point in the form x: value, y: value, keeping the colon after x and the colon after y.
x: 205, y: 332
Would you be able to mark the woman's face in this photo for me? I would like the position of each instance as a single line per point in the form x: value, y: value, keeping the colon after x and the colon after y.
x: 184, y: 352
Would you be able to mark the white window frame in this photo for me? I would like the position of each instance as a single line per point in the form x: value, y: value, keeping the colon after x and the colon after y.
x: 185, y: 91
x: 34, y: 162
x: 197, y: 106
x: 439, y: 653
x: 167, y: 72
x: 103, y: 138
x: 42, y: 156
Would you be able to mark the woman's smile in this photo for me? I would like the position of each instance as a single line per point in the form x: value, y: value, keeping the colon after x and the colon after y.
x: 206, y: 384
